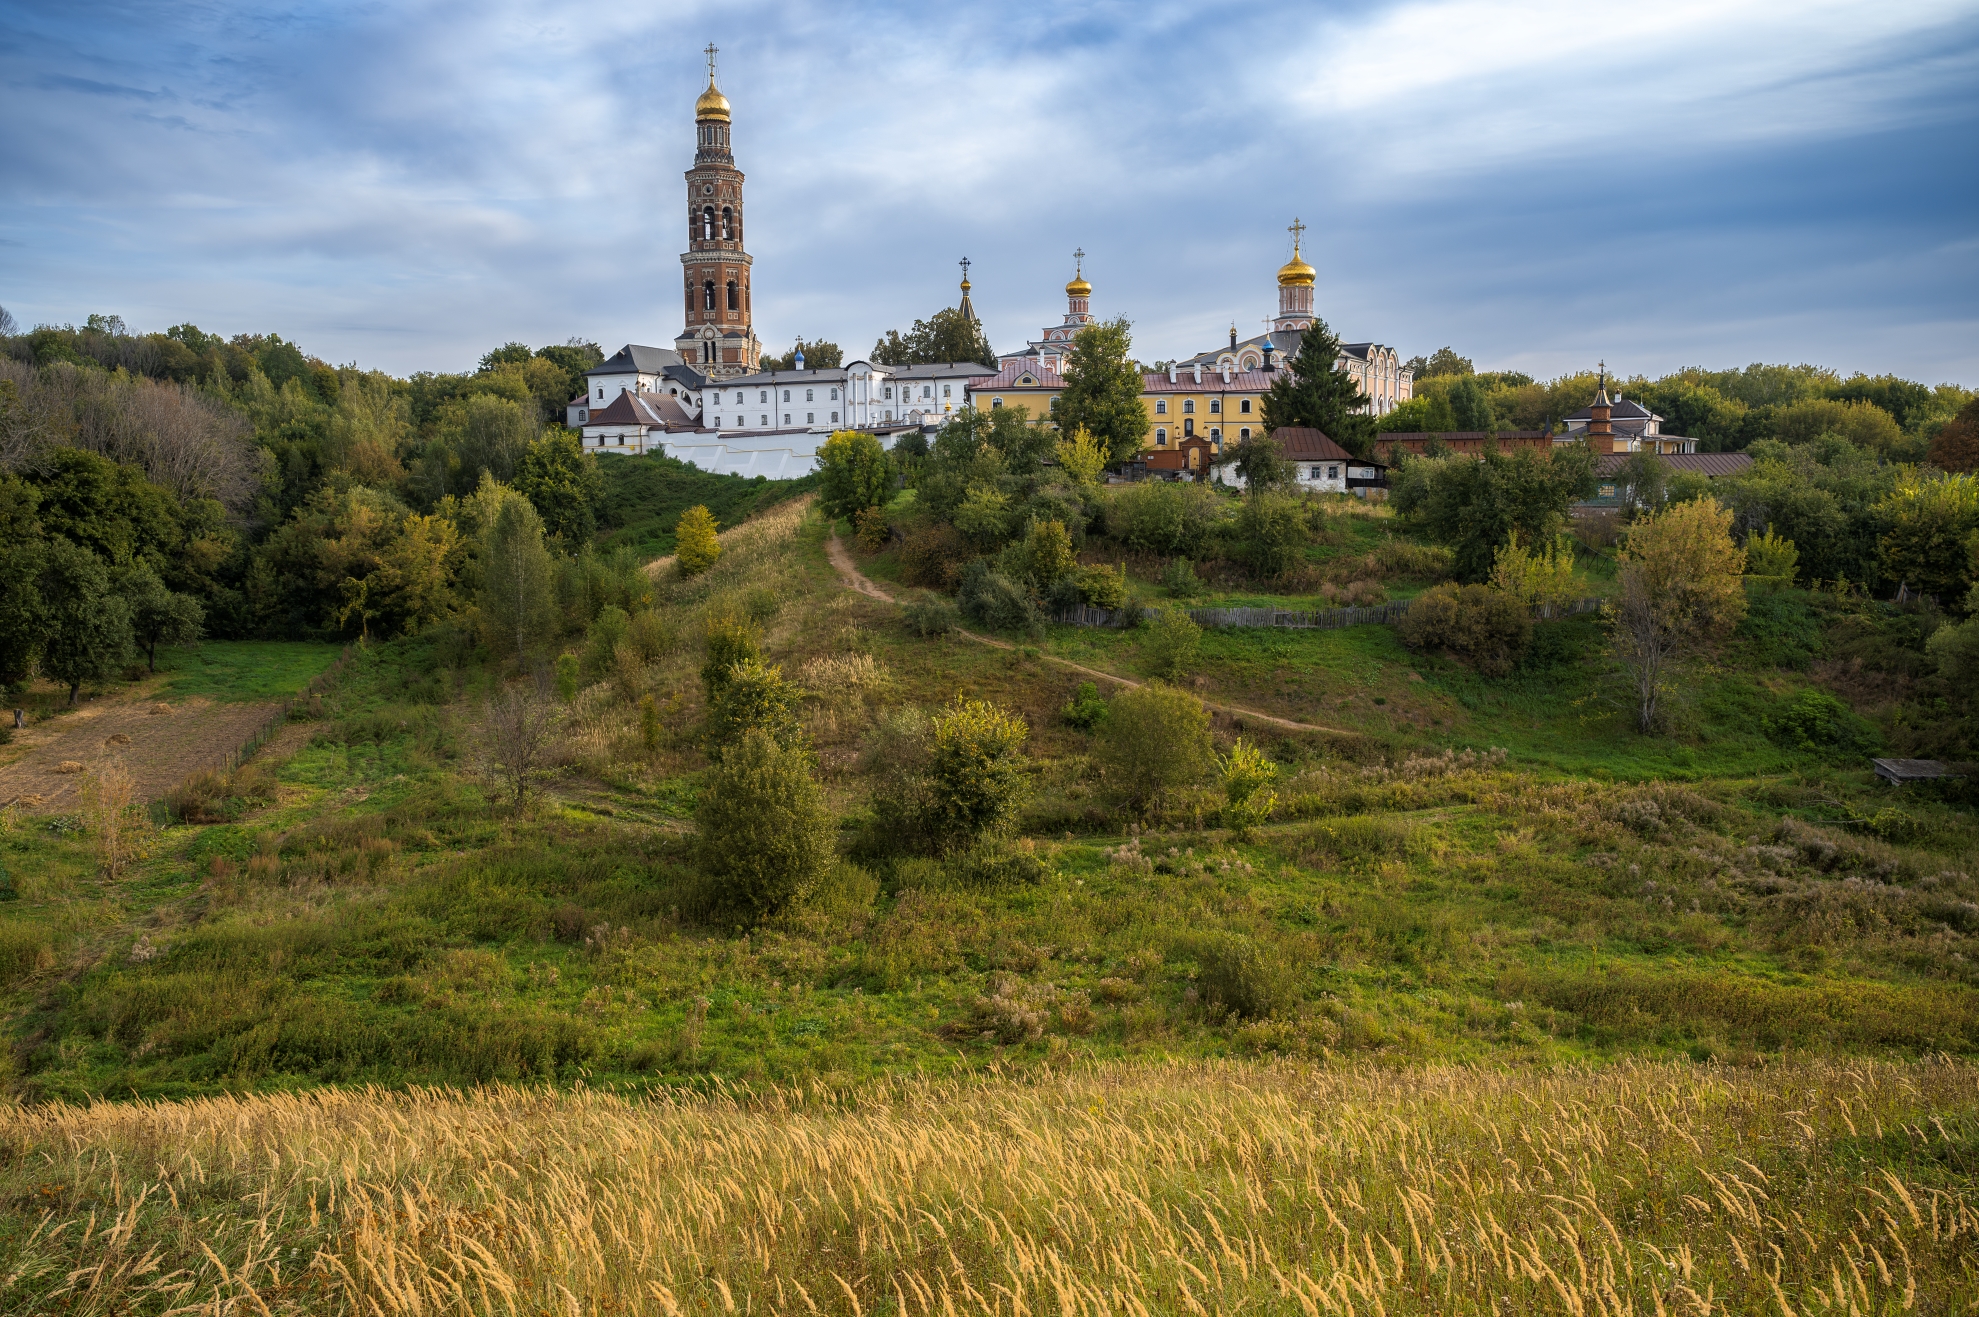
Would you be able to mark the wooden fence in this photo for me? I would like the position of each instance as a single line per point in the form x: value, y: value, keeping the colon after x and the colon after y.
x: 1319, y: 619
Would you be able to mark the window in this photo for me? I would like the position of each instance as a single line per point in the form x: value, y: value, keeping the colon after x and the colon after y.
x: 1245, y: 407
x: 734, y: 299
x: 1189, y: 426
x: 762, y: 395
x: 728, y: 223
x: 763, y: 420
x: 834, y: 398
x: 807, y: 395
x: 1312, y: 473
x: 995, y: 403
x: 1216, y: 406
x: 601, y: 395
x: 1161, y: 437
x: 809, y: 417
x: 1161, y: 406
x: 946, y: 392
x: 834, y: 418
x: 1216, y: 433
x: 927, y: 391
x: 708, y: 222
x: 786, y: 418
x: 708, y: 295
x: 1244, y: 433
x: 1189, y: 407
x: 786, y: 395
x: 887, y: 393
x: 718, y: 422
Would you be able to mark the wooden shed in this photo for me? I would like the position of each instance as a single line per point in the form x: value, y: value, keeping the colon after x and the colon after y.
x: 1899, y: 771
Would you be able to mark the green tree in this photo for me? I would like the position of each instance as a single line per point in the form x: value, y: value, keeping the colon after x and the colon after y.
x: 1272, y: 532
x: 1933, y: 527
x: 1173, y: 639
x: 1261, y: 462
x: 159, y: 616
x: 1956, y: 446
x: 765, y: 834
x: 946, y: 336
x: 88, y: 626
x: 1102, y: 390
x: 23, y: 613
x: 975, y: 773
x: 1475, y: 505
x: 518, y: 604
x: 573, y: 359
x: 1315, y: 392
x: 1155, y: 739
x: 854, y: 473
x: 1044, y: 556
x: 1681, y: 593
x: 1469, y: 408
x: 1248, y: 798
x: 1444, y: 361
x: 822, y: 354
x: 695, y: 544
x: 563, y: 483
x: 731, y: 640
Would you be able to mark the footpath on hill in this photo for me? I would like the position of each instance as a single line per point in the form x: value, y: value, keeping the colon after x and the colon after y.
x: 855, y: 579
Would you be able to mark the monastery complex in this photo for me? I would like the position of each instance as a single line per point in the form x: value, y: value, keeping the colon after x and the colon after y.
x: 708, y: 400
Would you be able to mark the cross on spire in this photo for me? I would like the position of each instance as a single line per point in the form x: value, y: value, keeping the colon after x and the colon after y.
x: 1079, y: 261
x: 710, y: 52
x: 964, y: 263
x: 1297, y: 229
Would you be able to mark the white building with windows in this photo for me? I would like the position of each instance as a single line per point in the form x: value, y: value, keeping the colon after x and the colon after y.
x: 636, y: 369
x: 777, y: 400
x: 881, y: 395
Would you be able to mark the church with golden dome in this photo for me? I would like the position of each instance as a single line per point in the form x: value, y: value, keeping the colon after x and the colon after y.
x: 719, y: 338
x: 1376, y: 367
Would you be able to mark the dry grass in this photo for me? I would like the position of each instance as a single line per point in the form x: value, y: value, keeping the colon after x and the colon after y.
x: 1800, y: 1189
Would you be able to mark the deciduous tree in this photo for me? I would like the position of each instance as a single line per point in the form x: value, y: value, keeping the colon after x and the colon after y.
x: 695, y: 545
x: 1680, y: 594
x: 518, y: 607
x: 1102, y: 392
x: 766, y: 835
x: 854, y: 473
x: 88, y: 626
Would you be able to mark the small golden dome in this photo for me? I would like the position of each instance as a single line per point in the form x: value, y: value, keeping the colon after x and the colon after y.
x: 1078, y: 287
x: 712, y: 105
x: 1296, y: 271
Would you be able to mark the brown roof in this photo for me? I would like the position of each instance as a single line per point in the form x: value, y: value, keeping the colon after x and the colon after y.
x: 1464, y: 441
x: 1241, y: 381
x: 1712, y: 465
x: 1303, y: 444
x: 654, y: 411
x: 1007, y: 378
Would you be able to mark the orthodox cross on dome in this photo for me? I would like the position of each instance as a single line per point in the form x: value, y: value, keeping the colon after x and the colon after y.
x: 964, y: 263
x: 710, y: 53
x: 1297, y: 229
x: 1079, y: 261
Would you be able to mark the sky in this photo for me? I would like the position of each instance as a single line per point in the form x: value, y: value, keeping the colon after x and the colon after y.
x: 405, y: 185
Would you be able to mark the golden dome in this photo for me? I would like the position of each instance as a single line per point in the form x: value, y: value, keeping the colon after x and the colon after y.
x: 712, y: 105
x: 1078, y: 287
x: 1296, y: 271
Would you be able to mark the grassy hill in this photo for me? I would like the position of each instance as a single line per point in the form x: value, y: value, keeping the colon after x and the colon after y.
x: 644, y: 496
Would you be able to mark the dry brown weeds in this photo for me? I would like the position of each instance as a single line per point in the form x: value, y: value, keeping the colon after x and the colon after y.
x: 1641, y: 1189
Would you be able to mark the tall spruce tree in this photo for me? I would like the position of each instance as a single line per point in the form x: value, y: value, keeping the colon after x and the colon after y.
x: 1103, y: 390
x: 1314, y: 392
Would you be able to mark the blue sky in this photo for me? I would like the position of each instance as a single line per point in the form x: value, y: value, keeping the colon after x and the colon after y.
x: 1540, y: 185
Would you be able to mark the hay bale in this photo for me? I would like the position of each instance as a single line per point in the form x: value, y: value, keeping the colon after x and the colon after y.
x: 69, y: 766
x: 161, y: 707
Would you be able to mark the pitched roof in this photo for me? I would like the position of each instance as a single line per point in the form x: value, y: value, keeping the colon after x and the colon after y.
x: 1622, y: 409
x: 1303, y: 444
x: 1284, y: 346
x: 1421, y: 438
x: 778, y: 378
x: 1007, y: 378
x: 1241, y: 381
x: 653, y: 411
x: 1712, y: 465
x: 636, y: 357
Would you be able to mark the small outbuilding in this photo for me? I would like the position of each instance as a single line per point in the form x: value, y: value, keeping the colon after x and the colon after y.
x: 1899, y: 771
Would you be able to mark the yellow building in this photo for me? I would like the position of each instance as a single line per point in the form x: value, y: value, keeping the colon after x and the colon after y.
x: 1190, y: 401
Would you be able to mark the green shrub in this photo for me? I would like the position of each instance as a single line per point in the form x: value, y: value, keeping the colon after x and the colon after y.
x: 932, y: 557
x: 25, y: 948
x: 731, y: 640
x: 651, y: 636
x: 1086, y: 710
x: 1042, y: 557
x: 766, y: 836
x: 1247, y: 795
x: 1488, y: 627
x: 1816, y: 720
x: 1422, y: 562
x: 1234, y: 974
x: 1271, y: 531
x: 993, y: 600
x: 602, y: 639
x: 1169, y: 651
x: 1155, y: 739
x: 975, y: 773
x: 695, y: 545
x: 931, y: 617
x: 1102, y: 586
x: 1180, y: 580
x: 997, y: 864
x: 755, y: 697
x: 1955, y: 649
x: 1161, y: 516
x: 567, y: 677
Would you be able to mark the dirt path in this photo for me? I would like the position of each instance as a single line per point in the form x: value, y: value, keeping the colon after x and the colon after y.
x: 161, y: 749
x: 855, y: 579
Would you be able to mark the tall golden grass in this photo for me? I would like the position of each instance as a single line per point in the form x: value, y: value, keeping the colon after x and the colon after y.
x: 1843, y: 1188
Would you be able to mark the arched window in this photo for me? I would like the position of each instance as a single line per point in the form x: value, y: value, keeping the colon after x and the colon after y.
x: 808, y: 397
x: 834, y: 398
x: 1188, y: 427
x: 1189, y: 407
x: 708, y: 222
x: 1161, y: 437
x: 734, y: 298
x: 708, y: 295
x: 762, y: 396
x: 728, y: 223
x: 1161, y: 406
x: 1245, y: 406
x: 786, y: 395
x: 1216, y: 406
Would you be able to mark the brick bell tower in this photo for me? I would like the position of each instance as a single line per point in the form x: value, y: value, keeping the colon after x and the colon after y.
x: 719, y: 339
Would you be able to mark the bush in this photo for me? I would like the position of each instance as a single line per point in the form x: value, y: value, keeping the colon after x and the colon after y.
x: 1486, y: 626
x: 1423, y: 562
x: 1086, y: 710
x: 755, y: 697
x: 1271, y: 531
x: 1235, y: 975
x: 1042, y: 556
x: 1170, y: 649
x: 869, y: 529
x: 1160, y: 516
x: 1102, y: 586
x: 651, y: 636
x: 1179, y: 579
x: 602, y: 640
x: 766, y: 836
x: 567, y: 670
x: 975, y: 774
x: 1816, y: 720
x: 999, y: 865
x: 730, y: 641
x: 1155, y: 739
x: 1247, y: 794
x: 1956, y: 652
x: 932, y: 557
x: 993, y: 600
x: 695, y: 546
x: 931, y: 617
